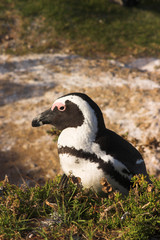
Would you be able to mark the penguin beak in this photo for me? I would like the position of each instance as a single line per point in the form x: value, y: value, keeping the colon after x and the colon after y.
x: 43, y: 118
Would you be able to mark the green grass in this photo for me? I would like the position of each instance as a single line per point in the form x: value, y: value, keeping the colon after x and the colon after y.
x: 48, y: 212
x: 89, y: 27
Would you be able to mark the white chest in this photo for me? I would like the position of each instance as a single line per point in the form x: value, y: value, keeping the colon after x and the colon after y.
x: 88, y: 171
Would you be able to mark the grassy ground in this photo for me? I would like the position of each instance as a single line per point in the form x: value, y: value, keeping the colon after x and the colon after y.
x: 89, y: 28
x: 49, y: 212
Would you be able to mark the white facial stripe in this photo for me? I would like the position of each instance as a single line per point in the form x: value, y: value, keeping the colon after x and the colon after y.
x: 73, y: 98
x: 84, y: 135
x: 85, y: 108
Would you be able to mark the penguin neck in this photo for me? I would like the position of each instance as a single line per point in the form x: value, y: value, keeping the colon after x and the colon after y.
x: 80, y: 137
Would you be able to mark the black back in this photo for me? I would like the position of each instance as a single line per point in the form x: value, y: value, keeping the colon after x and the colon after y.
x: 122, y: 150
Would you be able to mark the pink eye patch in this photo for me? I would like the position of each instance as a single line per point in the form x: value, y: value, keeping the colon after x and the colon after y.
x: 61, y: 107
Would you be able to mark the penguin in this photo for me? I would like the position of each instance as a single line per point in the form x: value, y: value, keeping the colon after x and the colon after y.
x: 87, y: 149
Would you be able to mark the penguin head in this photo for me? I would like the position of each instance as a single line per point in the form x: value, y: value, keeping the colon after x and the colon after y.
x: 72, y: 111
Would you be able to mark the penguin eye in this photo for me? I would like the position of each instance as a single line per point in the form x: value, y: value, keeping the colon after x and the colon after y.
x: 62, y: 108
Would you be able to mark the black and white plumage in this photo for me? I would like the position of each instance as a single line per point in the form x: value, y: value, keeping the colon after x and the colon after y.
x: 86, y: 148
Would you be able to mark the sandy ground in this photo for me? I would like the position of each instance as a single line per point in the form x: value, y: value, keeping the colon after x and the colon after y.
x: 128, y: 92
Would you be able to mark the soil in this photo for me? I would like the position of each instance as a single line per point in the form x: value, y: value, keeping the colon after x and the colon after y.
x: 126, y: 91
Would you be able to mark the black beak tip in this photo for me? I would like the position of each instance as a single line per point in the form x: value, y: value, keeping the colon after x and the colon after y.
x: 42, y: 118
x: 36, y: 123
